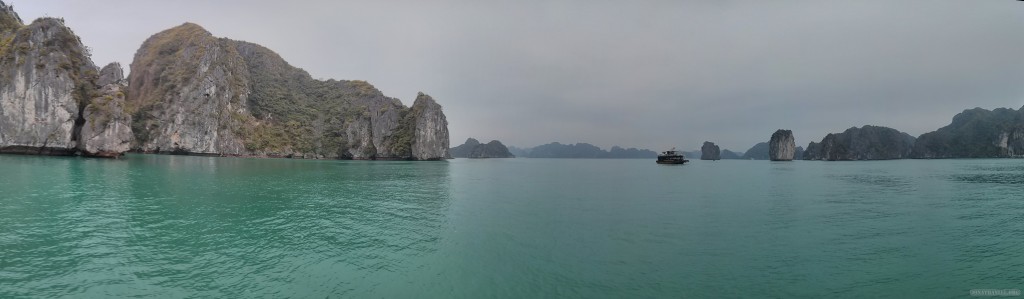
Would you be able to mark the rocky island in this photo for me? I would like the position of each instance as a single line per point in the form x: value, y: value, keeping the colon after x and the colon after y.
x: 474, y: 149
x: 782, y: 146
x: 975, y: 133
x: 192, y: 93
x: 586, y: 150
x: 710, y: 151
x: 864, y: 143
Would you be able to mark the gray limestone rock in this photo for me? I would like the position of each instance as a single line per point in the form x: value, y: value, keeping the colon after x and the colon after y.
x: 111, y: 74
x: 53, y: 101
x: 1011, y: 143
x: 361, y: 140
x: 710, y: 151
x: 430, y: 140
x: 193, y: 93
x: 782, y: 146
x: 44, y: 76
x: 107, y: 128
x: 189, y: 90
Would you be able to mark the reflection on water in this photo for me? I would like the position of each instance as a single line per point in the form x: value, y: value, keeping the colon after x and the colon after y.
x: 991, y: 173
x: 992, y: 178
x: 178, y: 226
x: 166, y: 225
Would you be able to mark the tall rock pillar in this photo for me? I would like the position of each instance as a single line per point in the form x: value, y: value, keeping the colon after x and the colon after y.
x: 710, y: 151
x: 782, y: 146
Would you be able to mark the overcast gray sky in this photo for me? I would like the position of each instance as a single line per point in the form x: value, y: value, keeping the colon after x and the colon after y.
x: 650, y: 74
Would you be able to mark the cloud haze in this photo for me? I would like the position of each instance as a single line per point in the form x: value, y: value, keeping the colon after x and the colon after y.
x: 651, y: 74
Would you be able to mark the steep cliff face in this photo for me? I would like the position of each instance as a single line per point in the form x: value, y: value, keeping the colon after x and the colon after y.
x: 185, y: 92
x: 42, y: 67
x: 864, y: 143
x: 975, y: 133
x: 196, y: 94
x: 710, y: 151
x: 106, y: 131
x: 430, y: 140
x: 46, y: 81
x: 1011, y: 143
x: 782, y: 146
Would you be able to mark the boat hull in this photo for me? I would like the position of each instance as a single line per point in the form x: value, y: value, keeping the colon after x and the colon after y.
x: 672, y: 161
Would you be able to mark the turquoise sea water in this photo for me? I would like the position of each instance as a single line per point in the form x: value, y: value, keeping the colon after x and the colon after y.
x: 179, y: 226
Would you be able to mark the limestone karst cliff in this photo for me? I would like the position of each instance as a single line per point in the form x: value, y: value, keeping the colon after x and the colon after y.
x: 782, y: 146
x: 106, y: 130
x: 976, y: 133
x: 710, y: 151
x: 51, y: 101
x: 864, y: 143
x: 193, y: 93
x: 430, y: 135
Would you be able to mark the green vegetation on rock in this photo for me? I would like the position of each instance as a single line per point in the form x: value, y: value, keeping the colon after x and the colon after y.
x: 257, y: 104
x: 976, y: 133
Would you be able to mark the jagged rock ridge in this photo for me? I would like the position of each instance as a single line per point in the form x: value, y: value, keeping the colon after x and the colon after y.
x: 193, y: 93
x: 586, y: 150
x: 864, y: 143
x: 49, y: 92
x: 463, y: 150
x: 782, y: 146
x: 474, y: 149
x: 975, y: 133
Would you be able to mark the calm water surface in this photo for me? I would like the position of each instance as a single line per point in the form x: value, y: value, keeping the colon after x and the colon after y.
x: 178, y: 226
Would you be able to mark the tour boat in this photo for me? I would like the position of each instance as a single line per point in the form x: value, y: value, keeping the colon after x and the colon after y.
x: 672, y: 157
